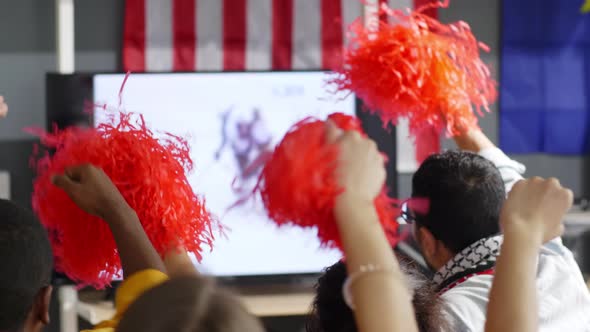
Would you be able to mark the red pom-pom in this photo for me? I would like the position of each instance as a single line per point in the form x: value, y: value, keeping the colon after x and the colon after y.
x: 420, y: 69
x: 298, y: 185
x: 150, y: 173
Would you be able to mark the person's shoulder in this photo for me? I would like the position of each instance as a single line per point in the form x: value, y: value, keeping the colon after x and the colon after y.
x: 476, y: 288
x: 560, y: 281
x: 555, y: 247
x: 557, y: 259
x: 137, y: 284
x: 463, y: 312
x: 465, y: 304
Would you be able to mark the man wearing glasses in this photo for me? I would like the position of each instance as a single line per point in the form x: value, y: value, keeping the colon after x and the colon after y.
x: 459, y: 235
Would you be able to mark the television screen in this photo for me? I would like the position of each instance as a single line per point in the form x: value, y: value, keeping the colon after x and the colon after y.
x: 233, y: 120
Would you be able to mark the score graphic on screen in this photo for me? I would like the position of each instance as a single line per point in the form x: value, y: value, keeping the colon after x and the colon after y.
x: 233, y: 121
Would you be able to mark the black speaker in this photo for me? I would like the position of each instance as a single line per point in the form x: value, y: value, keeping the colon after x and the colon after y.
x: 386, y: 141
x: 68, y: 100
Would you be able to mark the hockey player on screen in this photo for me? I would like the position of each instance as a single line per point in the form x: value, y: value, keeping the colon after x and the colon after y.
x: 250, y: 141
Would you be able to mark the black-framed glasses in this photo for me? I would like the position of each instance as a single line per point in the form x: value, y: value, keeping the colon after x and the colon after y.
x: 406, y: 213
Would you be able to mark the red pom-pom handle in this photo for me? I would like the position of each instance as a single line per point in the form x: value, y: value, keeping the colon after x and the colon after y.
x: 298, y: 185
x: 149, y: 172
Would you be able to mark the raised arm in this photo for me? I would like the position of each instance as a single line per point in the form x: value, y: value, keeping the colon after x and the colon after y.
x: 476, y: 141
x: 178, y: 263
x: 379, y: 297
x: 473, y: 140
x: 92, y: 190
x: 530, y: 217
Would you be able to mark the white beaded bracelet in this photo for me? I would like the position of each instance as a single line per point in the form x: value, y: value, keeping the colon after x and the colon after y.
x: 363, y: 271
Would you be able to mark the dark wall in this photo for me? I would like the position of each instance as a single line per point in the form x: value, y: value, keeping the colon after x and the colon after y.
x: 27, y: 53
x: 27, y: 47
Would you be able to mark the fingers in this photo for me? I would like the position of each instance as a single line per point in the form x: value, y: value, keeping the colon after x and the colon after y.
x: 518, y: 185
x: 560, y: 198
x: 333, y: 133
x: 548, y: 185
x: 566, y: 193
x: 72, y: 177
x: 561, y: 194
x: 77, y: 173
x: 65, y: 183
x: 540, y: 204
x: 554, y: 182
x: 564, y: 197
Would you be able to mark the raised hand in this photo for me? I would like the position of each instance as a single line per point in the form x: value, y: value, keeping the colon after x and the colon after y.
x: 531, y: 215
x: 361, y: 169
x: 535, y: 207
x: 361, y: 173
x: 92, y: 190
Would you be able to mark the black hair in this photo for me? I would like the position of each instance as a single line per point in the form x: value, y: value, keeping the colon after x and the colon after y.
x: 330, y: 313
x: 26, y: 264
x: 466, y: 193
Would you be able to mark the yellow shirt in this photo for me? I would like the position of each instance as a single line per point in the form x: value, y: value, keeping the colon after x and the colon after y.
x: 132, y: 288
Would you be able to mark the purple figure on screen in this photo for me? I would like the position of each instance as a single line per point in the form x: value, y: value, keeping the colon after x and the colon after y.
x: 250, y: 141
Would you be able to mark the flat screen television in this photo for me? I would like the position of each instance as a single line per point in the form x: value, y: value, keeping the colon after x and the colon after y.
x: 231, y: 120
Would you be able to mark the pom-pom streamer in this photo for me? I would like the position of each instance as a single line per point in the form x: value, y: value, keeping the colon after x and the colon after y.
x: 149, y: 172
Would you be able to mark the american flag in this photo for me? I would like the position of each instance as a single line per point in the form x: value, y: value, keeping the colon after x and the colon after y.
x: 213, y: 35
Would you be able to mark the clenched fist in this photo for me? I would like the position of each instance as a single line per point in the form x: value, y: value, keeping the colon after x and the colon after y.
x: 535, y: 207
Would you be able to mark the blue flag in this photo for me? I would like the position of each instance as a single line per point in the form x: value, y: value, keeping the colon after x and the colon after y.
x: 545, y: 77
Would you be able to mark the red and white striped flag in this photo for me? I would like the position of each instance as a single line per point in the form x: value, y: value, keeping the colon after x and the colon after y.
x: 213, y: 35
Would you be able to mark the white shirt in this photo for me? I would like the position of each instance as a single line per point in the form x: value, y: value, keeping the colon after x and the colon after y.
x: 564, y: 300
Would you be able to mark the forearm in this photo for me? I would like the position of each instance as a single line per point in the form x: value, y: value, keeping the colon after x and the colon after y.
x: 513, y: 297
x: 476, y: 141
x: 473, y: 140
x: 135, y: 249
x: 374, y: 293
x: 178, y: 263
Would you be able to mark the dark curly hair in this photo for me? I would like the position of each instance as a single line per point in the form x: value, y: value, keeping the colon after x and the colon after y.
x: 331, y: 314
